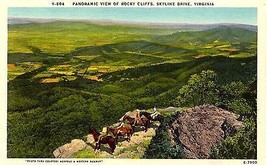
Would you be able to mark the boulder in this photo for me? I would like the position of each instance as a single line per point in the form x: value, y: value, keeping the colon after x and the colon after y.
x: 69, y: 149
x: 199, y: 128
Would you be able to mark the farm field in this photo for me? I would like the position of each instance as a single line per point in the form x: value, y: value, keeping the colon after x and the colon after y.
x: 64, y: 76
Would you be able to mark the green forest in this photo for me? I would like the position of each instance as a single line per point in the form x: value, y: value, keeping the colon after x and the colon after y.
x: 64, y: 76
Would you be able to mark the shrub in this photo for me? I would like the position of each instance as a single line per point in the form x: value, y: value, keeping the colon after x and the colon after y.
x: 200, y: 89
x: 161, y: 146
x: 241, y: 146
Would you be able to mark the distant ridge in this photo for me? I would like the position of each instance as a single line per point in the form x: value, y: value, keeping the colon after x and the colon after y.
x: 182, y: 26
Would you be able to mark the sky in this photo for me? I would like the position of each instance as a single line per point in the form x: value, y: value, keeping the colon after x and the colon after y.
x: 148, y: 15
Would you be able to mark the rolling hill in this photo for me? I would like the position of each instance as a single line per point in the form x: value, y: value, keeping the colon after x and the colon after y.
x: 64, y: 75
x: 223, y: 34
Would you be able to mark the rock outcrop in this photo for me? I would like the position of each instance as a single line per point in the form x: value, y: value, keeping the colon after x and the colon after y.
x: 124, y: 149
x: 133, y: 149
x: 69, y: 149
x: 199, y: 128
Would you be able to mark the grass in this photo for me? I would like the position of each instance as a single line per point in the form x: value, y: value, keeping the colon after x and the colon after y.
x: 63, y: 37
x: 86, y: 58
x: 118, y: 47
x: 15, y: 70
x: 88, y: 152
x: 103, y: 69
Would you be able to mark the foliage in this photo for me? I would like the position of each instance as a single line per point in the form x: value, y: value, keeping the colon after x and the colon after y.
x: 146, y: 68
x: 204, y: 88
x: 201, y: 89
x: 232, y: 91
x: 66, y: 114
x: 239, y: 98
x: 19, y: 103
x: 96, y: 103
x: 161, y: 146
x: 232, y: 96
x: 243, y: 145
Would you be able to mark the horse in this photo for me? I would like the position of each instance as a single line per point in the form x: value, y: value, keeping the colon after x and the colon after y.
x: 143, y: 121
x: 148, y: 115
x: 125, y: 129
x: 111, y: 141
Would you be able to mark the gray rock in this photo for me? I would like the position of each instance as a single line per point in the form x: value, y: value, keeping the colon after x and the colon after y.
x: 199, y: 128
x: 69, y: 149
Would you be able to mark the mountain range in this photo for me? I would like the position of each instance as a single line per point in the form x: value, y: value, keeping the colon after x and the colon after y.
x: 182, y: 26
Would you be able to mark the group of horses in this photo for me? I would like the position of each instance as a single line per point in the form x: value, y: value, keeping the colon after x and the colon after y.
x: 144, y: 120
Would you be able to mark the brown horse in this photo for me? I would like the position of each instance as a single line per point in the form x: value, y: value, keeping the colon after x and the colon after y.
x: 143, y: 121
x: 111, y: 141
x: 125, y: 129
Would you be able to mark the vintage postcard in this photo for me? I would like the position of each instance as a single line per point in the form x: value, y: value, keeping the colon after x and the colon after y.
x: 117, y: 82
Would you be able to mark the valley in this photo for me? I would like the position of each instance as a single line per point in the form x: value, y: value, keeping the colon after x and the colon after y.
x: 66, y: 75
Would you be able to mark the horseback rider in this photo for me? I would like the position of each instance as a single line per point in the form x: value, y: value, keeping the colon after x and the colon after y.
x: 123, y: 123
x: 138, y: 117
x: 155, y: 113
x: 104, y: 133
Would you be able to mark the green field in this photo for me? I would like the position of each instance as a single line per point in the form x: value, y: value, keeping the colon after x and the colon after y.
x: 56, y: 40
x: 64, y: 76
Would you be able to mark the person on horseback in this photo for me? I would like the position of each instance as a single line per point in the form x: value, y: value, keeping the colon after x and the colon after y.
x: 123, y: 123
x: 104, y: 133
x: 155, y: 113
x: 138, y: 117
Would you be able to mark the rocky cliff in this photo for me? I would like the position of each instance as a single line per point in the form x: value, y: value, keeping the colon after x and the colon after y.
x: 196, y: 129
x: 132, y: 150
x: 199, y: 128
